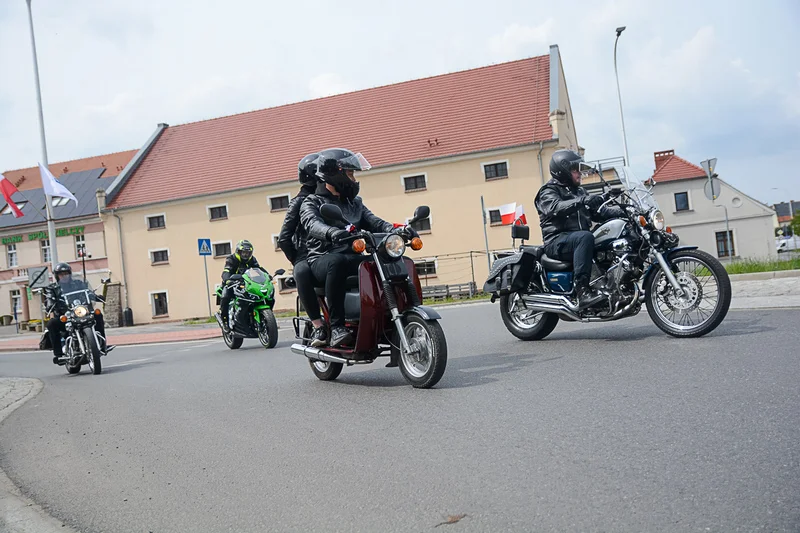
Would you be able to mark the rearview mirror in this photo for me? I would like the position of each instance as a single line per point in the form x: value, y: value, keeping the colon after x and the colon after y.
x: 332, y: 213
x: 521, y: 232
x: 420, y: 213
x: 280, y: 272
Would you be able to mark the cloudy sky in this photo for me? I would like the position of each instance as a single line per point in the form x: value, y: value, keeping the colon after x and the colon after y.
x: 703, y: 78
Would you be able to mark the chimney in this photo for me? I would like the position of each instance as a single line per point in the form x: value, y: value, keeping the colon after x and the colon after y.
x: 100, y: 194
x: 663, y: 157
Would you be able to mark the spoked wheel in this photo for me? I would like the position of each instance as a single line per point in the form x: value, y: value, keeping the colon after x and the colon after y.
x: 268, y: 332
x: 93, y: 351
x: 705, y: 300
x: 425, y: 365
x: 524, y: 323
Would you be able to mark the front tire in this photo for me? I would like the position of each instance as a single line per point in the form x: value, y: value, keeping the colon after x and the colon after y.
x: 234, y: 343
x: 526, y: 327
x: 268, y: 333
x: 707, y: 296
x: 426, y: 367
x: 93, y: 355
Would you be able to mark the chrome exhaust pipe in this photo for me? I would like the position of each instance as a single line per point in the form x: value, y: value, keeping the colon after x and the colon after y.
x: 318, y: 355
x: 552, y: 303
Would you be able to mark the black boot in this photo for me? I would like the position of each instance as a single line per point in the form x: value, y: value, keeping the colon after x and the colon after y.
x: 586, y: 296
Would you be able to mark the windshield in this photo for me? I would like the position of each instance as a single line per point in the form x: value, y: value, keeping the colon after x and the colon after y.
x: 638, y: 191
x: 256, y: 276
x: 76, y: 292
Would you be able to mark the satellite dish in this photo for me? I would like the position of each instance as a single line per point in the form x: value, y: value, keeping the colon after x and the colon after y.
x: 736, y: 202
x: 712, y: 189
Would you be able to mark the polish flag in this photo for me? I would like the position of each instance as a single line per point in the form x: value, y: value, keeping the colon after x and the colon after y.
x: 507, y: 213
x: 519, y: 216
x: 8, y: 190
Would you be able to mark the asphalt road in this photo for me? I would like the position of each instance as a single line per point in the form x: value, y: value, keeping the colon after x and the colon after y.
x: 612, y: 427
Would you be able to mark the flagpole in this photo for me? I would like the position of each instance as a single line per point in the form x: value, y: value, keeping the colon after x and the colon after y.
x: 51, y: 227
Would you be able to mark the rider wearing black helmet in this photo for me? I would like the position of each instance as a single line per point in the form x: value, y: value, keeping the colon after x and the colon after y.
x: 292, y: 240
x: 331, y: 260
x: 566, y: 212
x: 57, y: 307
x: 238, y: 262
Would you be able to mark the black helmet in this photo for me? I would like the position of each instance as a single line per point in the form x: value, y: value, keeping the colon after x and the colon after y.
x: 62, y: 268
x: 565, y: 161
x: 333, y: 165
x: 244, y: 249
x: 307, y: 169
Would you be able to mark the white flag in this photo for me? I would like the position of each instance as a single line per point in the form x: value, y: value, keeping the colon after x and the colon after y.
x: 52, y: 187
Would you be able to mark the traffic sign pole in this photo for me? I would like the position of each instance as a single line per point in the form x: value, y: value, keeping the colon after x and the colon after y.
x: 208, y: 289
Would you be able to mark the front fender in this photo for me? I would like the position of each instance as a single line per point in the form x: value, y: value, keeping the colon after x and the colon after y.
x: 424, y: 312
x: 652, y: 268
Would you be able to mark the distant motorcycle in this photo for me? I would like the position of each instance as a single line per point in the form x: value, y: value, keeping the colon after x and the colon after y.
x: 250, y: 314
x: 687, y: 291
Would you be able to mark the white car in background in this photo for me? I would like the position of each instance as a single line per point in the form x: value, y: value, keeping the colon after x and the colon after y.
x: 787, y: 244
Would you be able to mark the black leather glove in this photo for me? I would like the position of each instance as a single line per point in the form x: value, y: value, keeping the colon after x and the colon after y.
x: 593, y: 202
x: 336, y: 235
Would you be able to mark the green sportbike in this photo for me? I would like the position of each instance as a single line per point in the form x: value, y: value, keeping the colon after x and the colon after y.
x: 250, y: 312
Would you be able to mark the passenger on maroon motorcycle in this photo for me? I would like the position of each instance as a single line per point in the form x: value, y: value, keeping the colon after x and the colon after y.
x: 330, y: 259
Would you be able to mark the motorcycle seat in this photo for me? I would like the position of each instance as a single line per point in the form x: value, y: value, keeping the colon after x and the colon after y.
x: 554, y: 265
x: 535, y: 251
x: 350, y: 283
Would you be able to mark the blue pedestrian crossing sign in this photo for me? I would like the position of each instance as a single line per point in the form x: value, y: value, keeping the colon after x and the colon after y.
x: 204, y: 246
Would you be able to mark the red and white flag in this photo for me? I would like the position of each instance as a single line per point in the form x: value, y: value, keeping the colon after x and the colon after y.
x: 519, y: 216
x: 507, y: 213
x: 8, y: 189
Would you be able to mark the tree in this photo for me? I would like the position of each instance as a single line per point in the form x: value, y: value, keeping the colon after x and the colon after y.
x: 795, y: 224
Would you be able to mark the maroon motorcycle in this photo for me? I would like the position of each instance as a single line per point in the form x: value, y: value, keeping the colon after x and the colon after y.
x: 383, y: 307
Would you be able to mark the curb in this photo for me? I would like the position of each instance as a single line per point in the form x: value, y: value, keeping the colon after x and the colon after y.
x: 18, y: 513
x: 760, y: 276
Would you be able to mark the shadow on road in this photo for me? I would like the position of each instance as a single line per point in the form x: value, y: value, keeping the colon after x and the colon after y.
x: 483, y: 369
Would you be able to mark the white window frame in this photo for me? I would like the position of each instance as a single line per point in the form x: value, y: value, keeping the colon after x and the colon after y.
x: 49, y: 250
x: 214, y: 251
x: 414, y: 175
x: 150, y: 255
x: 8, y: 255
x: 59, y: 201
x: 434, y: 260
x: 153, y: 303
x: 487, y: 163
x: 153, y: 215
x: 17, y: 296
x: 210, y: 207
x: 274, y: 241
x: 269, y: 201
x: 426, y: 232
x: 80, y: 243
x: 8, y: 211
x: 689, y: 200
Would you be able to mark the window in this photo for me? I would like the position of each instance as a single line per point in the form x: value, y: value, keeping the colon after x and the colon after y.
x: 45, y: 244
x: 58, y: 202
x: 283, y: 286
x: 218, y: 212
x: 222, y: 249
x: 7, y: 209
x: 415, y: 183
x: 722, y: 245
x: 279, y: 203
x: 425, y: 268
x: 495, y: 217
x: 275, y: 242
x: 681, y: 201
x: 159, y: 303
x: 422, y: 226
x: 16, y: 303
x: 80, y: 245
x: 11, y: 255
x: 495, y: 170
x: 156, y: 222
x: 158, y: 257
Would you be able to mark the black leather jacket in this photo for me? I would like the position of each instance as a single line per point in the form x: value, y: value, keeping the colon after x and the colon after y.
x: 561, y: 210
x: 318, y: 230
x: 292, y: 239
x: 234, y: 265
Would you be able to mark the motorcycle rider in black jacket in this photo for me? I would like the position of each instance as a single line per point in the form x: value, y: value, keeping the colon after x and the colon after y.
x: 331, y: 260
x: 566, y: 212
x: 292, y: 240
x: 239, y: 262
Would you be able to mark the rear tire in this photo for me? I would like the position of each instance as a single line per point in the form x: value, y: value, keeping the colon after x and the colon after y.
x: 326, y: 371
x: 93, y: 349
x: 542, y: 328
x: 269, y: 333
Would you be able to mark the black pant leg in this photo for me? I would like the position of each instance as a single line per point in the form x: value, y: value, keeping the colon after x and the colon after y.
x: 304, y: 279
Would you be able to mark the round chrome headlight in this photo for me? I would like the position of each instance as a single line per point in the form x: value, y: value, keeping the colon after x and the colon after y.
x: 657, y: 220
x: 81, y: 311
x: 395, y: 246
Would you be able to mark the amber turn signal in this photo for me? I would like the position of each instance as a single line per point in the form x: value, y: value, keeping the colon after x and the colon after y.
x: 63, y: 318
x: 359, y: 245
x: 416, y: 243
x: 97, y: 312
x: 642, y: 221
x: 669, y: 230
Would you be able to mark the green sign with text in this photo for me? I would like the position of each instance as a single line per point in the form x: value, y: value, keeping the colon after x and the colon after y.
x: 39, y: 235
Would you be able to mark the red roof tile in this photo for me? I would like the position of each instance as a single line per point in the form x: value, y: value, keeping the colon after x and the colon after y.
x: 480, y: 109
x: 29, y: 178
x: 670, y: 167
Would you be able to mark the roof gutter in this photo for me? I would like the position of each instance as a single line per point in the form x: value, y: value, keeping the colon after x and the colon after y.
x: 134, y: 163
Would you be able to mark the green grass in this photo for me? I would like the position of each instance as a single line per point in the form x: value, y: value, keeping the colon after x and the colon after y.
x: 196, y: 321
x: 476, y: 298
x: 749, y: 266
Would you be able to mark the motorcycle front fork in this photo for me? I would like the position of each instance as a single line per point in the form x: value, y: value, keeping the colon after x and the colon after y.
x: 397, y: 318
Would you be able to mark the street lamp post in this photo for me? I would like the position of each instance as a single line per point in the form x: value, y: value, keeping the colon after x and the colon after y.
x: 51, y: 227
x: 727, y: 231
x: 619, y: 96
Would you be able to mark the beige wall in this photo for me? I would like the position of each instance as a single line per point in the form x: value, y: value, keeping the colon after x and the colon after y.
x: 453, y: 192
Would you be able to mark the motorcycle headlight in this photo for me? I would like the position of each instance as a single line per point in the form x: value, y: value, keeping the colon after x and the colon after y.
x: 395, y: 246
x: 657, y: 220
x: 81, y: 311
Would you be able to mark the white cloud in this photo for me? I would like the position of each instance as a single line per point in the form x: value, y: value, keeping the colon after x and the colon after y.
x: 328, y: 84
x: 519, y: 40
